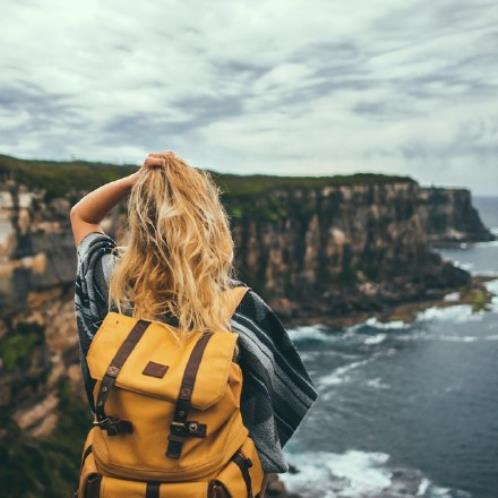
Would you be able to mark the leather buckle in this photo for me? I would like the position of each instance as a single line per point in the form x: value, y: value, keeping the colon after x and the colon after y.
x: 114, y: 426
x: 188, y: 428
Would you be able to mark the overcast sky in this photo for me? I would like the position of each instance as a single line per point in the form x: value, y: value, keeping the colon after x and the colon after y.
x: 269, y: 86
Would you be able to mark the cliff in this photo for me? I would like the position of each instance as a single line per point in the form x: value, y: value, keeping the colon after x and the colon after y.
x: 339, y: 249
x: 449, y: 216
x: 310, y: 246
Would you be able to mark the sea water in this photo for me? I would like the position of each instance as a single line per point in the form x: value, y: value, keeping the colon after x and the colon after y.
x: 405, y: 410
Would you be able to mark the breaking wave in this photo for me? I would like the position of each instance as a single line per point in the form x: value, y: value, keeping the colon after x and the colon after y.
x: 359, y: 474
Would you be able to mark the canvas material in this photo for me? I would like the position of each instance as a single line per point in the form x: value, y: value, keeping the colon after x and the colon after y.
x: 229, y: 477
x: 127, y: 461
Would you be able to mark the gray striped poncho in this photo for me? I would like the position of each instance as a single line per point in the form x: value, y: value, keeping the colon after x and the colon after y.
x: 277, y: 391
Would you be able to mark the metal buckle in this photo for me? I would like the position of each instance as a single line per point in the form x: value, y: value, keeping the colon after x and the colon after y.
x: 188, y: 428
x: 114, y: 426
x: 179, y: 429
x: 102, y: 422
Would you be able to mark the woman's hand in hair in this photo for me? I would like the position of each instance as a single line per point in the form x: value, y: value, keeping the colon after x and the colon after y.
x: 153, y: 160
x: 158, y: 159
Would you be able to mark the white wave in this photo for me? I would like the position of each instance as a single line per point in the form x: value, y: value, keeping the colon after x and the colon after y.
x: 459, y: 313
x: 316, y: 332
x: 486, y: 273
x: 356, y: 474
x: 452, y: 296
x: 423, y: 487
x: 352, y: 329
x: 429, y: 336
x: 456, y: 338
x: 492, y: 243
x: 441, y: 492
x: 307, y: 356
x: 464, y: 266
x: 375, y: 339
x: 392, y: 325
x: 342, y: 374
x: 351, y: 474
x: 374, y: 322
x: 377, y: 383
x: 492, y: 286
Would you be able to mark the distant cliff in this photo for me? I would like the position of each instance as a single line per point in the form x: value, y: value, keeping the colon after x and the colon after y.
x: 344, y: 248
x: 310, y: 246
x: 449, y: 216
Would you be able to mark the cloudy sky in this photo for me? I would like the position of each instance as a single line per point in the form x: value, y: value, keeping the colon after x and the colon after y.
x: 273, y: 86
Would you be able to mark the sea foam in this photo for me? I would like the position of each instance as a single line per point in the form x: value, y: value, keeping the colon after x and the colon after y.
x: 358, y: 474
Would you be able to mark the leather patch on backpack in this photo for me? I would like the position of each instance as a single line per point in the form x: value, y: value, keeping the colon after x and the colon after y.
x: 154, y: 369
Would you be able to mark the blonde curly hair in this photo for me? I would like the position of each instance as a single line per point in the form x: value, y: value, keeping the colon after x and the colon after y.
x: 178, y: 258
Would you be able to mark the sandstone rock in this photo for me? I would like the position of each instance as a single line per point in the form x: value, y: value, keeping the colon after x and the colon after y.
x: 35, y: 414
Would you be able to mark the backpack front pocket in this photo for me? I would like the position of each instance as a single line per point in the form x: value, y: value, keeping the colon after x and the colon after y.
x: 96, y: 485
x: 152, y: 362
x: 243, y: 476
x: 164, y: 413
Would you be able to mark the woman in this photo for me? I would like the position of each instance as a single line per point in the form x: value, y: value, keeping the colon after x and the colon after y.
x: 174, y: 267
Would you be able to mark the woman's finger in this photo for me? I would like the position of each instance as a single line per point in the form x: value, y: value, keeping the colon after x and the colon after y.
x: 154, y: 162
x: 162, y: 154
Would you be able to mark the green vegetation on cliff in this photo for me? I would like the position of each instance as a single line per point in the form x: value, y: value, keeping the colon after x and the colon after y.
x: 57, y: 178
x: 48, y: 467
x: 16, y: 348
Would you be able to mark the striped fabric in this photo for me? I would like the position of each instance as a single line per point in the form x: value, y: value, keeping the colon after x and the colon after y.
x: 277, y: 390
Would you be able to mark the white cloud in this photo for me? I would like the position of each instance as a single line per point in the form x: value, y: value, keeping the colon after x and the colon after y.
x: 280, y: 86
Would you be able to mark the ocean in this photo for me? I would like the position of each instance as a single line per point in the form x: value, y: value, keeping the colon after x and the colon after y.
x: 405, y: 410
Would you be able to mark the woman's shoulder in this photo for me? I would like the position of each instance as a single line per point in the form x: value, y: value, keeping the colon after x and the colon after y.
x: 93, y: 240
x: 94, y: 264
x: 248, y: 299
x: 253, y: 307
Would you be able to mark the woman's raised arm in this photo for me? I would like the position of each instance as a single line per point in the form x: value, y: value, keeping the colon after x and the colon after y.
x: 91, y: 209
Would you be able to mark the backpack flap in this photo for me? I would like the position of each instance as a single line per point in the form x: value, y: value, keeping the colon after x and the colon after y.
x: 155, y: 363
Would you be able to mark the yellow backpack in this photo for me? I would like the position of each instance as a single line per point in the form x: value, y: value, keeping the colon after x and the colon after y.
x: 168, y: 421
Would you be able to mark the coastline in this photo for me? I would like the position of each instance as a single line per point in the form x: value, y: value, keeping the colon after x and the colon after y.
x: 475, y: 294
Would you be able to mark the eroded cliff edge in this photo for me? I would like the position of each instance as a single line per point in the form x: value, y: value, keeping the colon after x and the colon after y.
x: 331, y: 249
x: 347, y: 248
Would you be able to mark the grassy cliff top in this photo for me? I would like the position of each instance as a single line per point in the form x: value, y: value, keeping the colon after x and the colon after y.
x: 59, y: 177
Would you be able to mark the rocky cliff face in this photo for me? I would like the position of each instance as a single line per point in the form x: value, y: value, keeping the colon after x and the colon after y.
x: 343, y: 249
x: 334, y: 249
x: 449, y: 216
x: 308, y: 251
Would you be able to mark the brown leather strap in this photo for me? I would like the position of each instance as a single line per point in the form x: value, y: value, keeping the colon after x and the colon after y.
x: 264, y: 485
x: 111, y: 425
x: 180, y: 428
x: 244, y: 463
x: 85, y: 455
x: 152, y: 489
x: 87, y: 452
x: 92, y: 486
x: 216, y: 489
